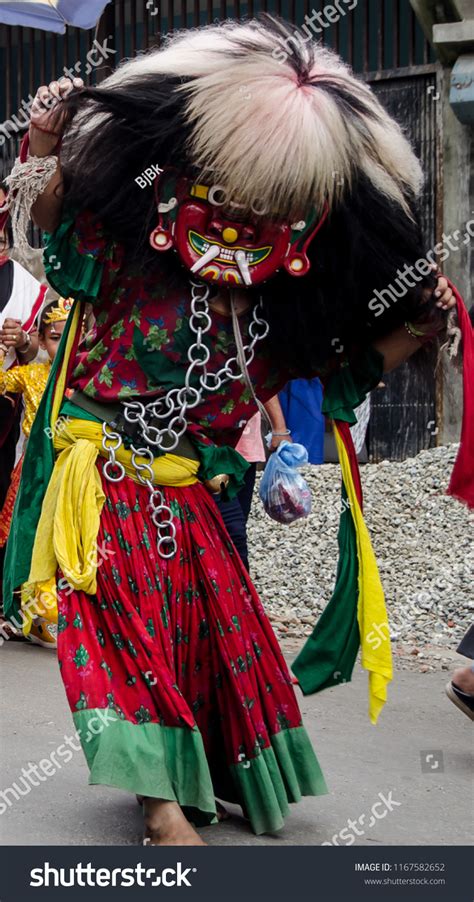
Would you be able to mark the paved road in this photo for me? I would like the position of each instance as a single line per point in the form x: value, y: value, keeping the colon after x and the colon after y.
x: 363, y: 766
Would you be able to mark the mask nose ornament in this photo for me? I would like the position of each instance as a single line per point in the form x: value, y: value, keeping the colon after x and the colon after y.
x: 230, y: 235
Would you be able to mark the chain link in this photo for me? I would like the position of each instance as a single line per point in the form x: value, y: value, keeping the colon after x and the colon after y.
x: 113, y: 470
x: 172, y: 408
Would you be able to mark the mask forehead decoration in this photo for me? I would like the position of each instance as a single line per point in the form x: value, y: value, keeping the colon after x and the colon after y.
x: 220, y: 245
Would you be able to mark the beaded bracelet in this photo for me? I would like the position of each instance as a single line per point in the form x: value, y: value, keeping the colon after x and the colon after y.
x: 422, y: 337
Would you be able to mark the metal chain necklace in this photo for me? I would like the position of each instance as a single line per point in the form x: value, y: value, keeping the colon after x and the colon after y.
x: 171, y: 410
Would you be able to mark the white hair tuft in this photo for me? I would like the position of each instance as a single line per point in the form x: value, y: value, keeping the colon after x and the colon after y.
x: 278, y: 120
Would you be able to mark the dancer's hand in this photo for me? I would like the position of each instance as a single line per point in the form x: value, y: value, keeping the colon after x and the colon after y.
x: 46, y: 119
x: 444, y: 294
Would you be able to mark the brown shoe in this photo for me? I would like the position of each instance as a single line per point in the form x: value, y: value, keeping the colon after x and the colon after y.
x: 462, y: 700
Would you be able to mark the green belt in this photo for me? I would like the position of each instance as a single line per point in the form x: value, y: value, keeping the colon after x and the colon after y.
x: 113, y: 414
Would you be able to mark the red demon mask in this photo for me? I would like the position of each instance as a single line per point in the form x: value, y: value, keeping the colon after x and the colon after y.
x: 219, y: 246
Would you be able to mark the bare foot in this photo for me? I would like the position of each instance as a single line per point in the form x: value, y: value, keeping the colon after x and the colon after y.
x: 166, y: 825
x: 222, y: 813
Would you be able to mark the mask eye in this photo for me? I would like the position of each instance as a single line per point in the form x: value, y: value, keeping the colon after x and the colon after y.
x: 254, y: 206
x: 217, y: 196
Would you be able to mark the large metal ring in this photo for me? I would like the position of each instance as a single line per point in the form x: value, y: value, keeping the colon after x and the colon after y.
x: 211, y: 381
x: 160, y: 507
x: 147, y: 435
x: 144, y: 473
x: 184, y: 394
x: 228, y: 368
x: 255, y: 335
x: 146, y: 453
x: 167, y: 540
x: 109, y: 466
x: 197, y: 359
x: 182, y: 428
x: 167, y: 449
x: 161, y: 524
x: 133, y: 411
x: 206, y: 323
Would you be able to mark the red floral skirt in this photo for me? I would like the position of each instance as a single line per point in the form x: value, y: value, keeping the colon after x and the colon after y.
x: 176, y: 681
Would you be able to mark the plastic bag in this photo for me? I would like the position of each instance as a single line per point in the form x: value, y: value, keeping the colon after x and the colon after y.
x: 284, y: 493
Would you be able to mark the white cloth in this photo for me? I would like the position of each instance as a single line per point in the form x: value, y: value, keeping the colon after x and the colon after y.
x: 25, y: 303
x: 359, y: 429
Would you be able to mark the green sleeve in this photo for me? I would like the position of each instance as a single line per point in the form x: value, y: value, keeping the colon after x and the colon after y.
x: 346, y: 388
x: 79, y: 255
x: 215, y: 460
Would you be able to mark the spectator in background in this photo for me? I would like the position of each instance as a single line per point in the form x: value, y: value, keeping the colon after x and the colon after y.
x: 21, y: 298
x: 301, y: 401
x: 235, y: 513
x: 460, y: 690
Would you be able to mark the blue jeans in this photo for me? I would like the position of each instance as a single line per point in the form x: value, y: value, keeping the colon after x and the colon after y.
x: 235, y: 514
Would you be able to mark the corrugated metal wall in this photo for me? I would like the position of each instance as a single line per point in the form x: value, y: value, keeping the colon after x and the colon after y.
x: 403, y: 415
x: 376, y: 35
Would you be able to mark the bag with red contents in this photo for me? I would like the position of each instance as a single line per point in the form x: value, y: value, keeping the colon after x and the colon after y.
x: 284, y: 493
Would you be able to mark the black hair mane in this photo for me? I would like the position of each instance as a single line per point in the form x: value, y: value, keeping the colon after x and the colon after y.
x: 359, y: 249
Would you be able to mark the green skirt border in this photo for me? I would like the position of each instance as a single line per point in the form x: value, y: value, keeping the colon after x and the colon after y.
x: 170, y: 763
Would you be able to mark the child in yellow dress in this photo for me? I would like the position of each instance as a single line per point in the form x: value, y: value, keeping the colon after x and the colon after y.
x: 30, y: 381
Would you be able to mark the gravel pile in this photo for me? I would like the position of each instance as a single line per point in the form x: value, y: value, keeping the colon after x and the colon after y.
x: 423, y: 541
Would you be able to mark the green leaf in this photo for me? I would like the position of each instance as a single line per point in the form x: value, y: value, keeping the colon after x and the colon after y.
x: 81, y: 657
x: 135, y: 316
x: 117, y: 329
x: 228, y: 408
x: 156, y: 338
x: 97, y: 353
x: 131, y: 353
x: 143, y: 715
x: 106, y: 376
x: 107, y: 669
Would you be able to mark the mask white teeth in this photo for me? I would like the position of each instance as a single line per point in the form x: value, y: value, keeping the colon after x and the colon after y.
x: 241, y: 260
x: 210, y: 255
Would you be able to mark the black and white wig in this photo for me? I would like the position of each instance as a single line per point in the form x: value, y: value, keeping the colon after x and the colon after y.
x: 279, y: 123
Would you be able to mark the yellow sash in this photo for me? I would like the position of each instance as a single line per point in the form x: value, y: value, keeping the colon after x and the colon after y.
x: 70, y: 515
x: 376, y: 657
